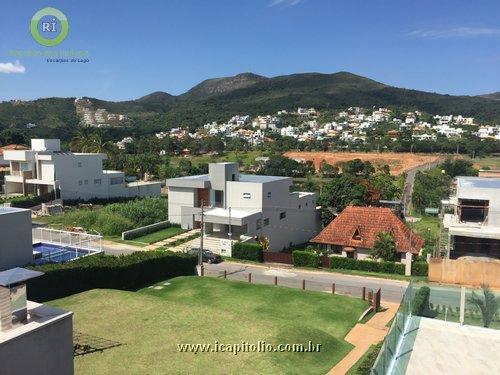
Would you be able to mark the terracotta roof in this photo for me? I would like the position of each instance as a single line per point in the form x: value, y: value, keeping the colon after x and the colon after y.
x: 359, y: 227
x: 12, y: 147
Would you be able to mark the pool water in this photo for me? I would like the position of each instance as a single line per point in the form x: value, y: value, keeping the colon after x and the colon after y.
x: 50, y: 253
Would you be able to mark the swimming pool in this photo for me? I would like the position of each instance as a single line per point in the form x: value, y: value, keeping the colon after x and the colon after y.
x: 51, y: 253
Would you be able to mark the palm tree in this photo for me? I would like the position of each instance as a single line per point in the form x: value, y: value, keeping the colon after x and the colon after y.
x: 82, y: 139
x: 488, y: 305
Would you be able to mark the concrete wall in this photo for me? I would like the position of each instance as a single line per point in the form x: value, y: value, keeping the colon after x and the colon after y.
x: 46, y: 145
x: 492, y: 195
x: 177, y: 198
x: 47, y: 349
x: 465, y: 272
x: 16, y: 247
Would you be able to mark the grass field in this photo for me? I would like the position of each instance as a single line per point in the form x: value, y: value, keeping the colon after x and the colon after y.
x: 159, y: 235
x: 493, y: 162
x: 193, y: 310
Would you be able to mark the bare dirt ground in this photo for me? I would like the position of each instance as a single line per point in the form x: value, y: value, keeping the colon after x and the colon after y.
x: 398, y: 162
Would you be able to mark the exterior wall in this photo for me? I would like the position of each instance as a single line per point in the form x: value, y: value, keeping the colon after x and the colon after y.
x: 47, y: 349
x: 235, y: 195
x: 177, y: 198
x: 16, y: 247
x: 465, y: 272
x: 492, y: 195
x: 362, y: 254
x: 46, y: 145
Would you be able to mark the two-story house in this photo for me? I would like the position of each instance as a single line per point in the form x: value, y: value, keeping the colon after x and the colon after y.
x: 45, y: 168
x: 238, y: 205
x: 472, y: 218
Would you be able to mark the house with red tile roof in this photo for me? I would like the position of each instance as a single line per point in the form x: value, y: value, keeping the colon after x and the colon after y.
x: 353, y: 232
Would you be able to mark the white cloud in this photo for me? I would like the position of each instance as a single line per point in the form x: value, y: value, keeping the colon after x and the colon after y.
x: 284, y: 2
x: 9, y: 67
x: 455, y: 32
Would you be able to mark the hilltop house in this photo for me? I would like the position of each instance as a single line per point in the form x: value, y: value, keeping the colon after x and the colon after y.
x: 242, y: 206
x: 352, y: 234
x: 471, y: 218
x: 45, y: 168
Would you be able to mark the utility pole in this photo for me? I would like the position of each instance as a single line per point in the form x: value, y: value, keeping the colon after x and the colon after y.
x: 230, y: 229
x: 200, y: 253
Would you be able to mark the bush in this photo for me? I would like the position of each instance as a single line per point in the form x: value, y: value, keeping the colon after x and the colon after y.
x: 303, y: 258
x: 247, y: 251
x: 365, y: 365
x: 367, y: 265
x: 110, y: 224
x: 421, y: 305
x: 419, y: 268
x: 124, y: 272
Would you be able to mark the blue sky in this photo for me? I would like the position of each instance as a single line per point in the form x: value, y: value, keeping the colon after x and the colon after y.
x: 137, y: 47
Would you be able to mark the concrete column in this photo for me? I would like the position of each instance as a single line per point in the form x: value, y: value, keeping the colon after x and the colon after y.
x: 5, y: 310
x: 408, y: 263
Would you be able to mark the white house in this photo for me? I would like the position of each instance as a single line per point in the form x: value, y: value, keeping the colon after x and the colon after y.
x: 472, y: 218
x: 45, y: 168
x: 243, y: 205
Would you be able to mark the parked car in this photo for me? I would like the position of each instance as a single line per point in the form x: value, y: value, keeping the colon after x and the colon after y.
x: 207, y: 255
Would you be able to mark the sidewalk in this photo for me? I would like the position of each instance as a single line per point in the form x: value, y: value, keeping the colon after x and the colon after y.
x: 362, y: 336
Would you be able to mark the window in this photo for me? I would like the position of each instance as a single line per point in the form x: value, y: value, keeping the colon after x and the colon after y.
x: 116, y: 180
x: 258, y: 224
x: 24, y: 167
x: 219, y: 197
x: 269, y: 194
x: 97, y: 181
x: 233, y: 177
x: 300, y: 206
x: 282, y: 215
x: 80, y: 182
x: 247, y: 195
x: 86, y: 182
x: 266, y: 222
x: 79, y: 164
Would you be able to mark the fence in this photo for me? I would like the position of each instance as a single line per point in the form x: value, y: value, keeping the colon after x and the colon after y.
x: 365, y: 293
x: 68, y: 239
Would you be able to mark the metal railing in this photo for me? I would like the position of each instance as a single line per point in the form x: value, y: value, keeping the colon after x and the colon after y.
x: 86, y: 241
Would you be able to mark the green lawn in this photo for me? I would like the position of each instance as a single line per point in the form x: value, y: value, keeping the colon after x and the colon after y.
x: 194, y: 310
x: 245, y: 157
x: 159, y: 235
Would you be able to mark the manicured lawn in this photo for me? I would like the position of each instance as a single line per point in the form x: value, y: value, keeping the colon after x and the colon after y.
x: 195, y: 310
x: 159, y: 235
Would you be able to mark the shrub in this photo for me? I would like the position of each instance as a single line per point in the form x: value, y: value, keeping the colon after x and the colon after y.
x: 421, y: 305
x: 303, y: 258
x: 419, y: 268
x: 125, y: 272
x: 247, y: 251
x: 366, y: 364
x: 367, y: 265
x: 110, y: 224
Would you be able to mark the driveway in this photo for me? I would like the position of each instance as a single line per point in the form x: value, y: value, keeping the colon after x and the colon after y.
x: 392, y: 290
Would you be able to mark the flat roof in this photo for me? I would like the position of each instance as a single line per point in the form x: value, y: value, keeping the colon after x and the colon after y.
x: 8, y: 210
x: 260, y: 179
x: 17, y: 275
x: 235, y: 213
x: 478, y: 182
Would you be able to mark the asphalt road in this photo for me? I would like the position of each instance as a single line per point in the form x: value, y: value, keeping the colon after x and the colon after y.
x: 392, y: 290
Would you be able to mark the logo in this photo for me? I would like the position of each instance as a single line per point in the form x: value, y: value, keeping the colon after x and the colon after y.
x: 49, y: 27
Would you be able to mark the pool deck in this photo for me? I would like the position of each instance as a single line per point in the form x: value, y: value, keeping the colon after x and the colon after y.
x: 448, y: 348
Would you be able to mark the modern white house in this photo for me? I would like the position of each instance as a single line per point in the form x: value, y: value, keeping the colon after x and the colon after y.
x: 45, y: 168
x: 472, y: 218
x: 240, y: 206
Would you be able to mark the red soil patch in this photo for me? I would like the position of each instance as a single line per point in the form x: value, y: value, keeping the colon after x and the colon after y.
x: 397, y: 162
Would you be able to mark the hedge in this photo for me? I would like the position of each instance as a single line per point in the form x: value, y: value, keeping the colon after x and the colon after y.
x: 421, y: 306
x: 419, y: 268
x: 124, y: 272
x: 247, y: 251
x: 367, y: 265
x: 306, y: 259
x: 28, y: 201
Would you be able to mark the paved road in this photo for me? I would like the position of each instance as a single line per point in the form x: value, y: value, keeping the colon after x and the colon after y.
x: 410, y: 180
x: 392, y: 290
